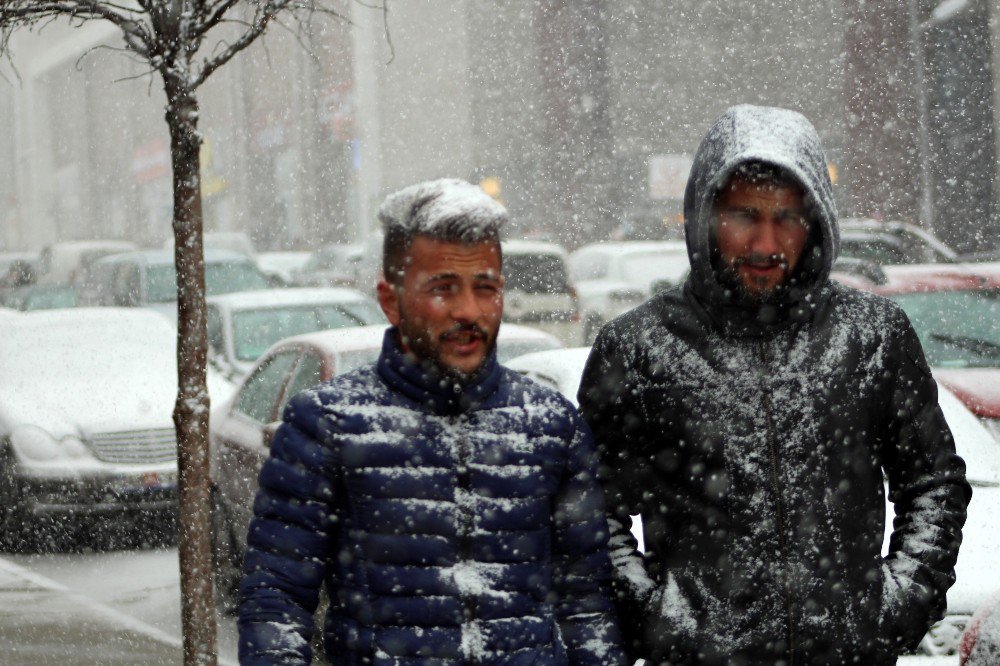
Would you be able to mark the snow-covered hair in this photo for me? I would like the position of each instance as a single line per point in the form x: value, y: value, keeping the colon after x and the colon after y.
x: 448, y: 209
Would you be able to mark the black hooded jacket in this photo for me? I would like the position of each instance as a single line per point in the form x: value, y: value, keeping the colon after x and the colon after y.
x: 753, y: 440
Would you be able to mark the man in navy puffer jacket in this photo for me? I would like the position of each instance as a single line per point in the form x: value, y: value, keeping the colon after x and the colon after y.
x: 449, y: 504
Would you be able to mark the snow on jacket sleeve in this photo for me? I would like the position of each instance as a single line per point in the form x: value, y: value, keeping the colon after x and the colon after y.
x: 609, y: 406
x: 928, y: 488
x: 294, y: 518
x: 582, y: 570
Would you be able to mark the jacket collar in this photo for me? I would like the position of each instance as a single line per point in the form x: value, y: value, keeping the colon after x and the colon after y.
x: 425, y: 385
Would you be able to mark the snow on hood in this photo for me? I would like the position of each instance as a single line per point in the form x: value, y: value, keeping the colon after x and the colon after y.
x: 101, y: 370
x: 744, y: 134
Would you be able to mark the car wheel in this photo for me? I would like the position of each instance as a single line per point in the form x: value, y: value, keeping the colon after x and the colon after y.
x: 226, y: 562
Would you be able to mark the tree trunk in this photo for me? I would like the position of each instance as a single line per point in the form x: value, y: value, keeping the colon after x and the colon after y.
x: 192, y: 407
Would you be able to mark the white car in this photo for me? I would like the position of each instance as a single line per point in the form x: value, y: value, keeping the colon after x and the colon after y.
x: 67, y: 262
x: 282, y: 265
x: 538, y: 291
x: 612, y: 278
x: 243, y: 325
x: 86, y: 408
x: 977, y: 575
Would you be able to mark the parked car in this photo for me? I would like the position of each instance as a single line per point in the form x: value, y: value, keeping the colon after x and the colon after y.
x: 612, y: 278
x: 17, y: 269
x: 242, y: 427
x: 243, y: 325
x: 66, y: 263
x: 538, y: 291
x: 41, y: 297
x: 888, y: 243
x: 335, y: 265
x: 282, y: 266
x: 233, y: 241
x: 85, y: 415
x: 977, y: 573
x: 981, y: 640
x: 147, y: 278
x: 956, y: 314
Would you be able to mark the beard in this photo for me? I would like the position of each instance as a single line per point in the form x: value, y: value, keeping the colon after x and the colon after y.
x: 730, y: 278
x: 426, y: 347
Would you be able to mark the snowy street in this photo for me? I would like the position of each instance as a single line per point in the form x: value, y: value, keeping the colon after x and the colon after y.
x: 115, y: 607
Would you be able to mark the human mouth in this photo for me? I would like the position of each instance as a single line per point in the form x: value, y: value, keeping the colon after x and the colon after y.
x: 464, y: 341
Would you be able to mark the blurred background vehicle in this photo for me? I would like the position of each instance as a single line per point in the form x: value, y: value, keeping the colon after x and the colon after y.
x: 233, y: 241
x: 17, y: 269
x: 612, y: 278
x: 147, y: 278
x: 981, y: 640
x: 84, y: 431
x: 243, y: 325
x: 976, y: 572
x: 242, y: 427
x: 336, y: 265
x: 282, y: 265
x: 887, y: 243
x: 538, y: 291
x: 65, y: 263
x: 956, y: 314
x: 40, y: 297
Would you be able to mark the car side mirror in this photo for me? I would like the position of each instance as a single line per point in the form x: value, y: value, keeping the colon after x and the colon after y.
x: 267, y: 435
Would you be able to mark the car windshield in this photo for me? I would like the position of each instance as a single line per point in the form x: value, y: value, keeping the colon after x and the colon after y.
x: 220, y: 278
x: 254, y: 331
x: 644, y: 269
x: 957, y: 329
x: 535, y: 273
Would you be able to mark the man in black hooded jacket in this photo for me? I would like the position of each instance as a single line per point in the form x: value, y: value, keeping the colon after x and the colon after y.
x: 748, y: 417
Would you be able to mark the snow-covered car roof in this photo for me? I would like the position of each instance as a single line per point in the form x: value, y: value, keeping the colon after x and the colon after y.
x: 560, y: 369
x: 162, y: 257
x: 631, y: 247
x: 532, y: 247
x: 282, y: 298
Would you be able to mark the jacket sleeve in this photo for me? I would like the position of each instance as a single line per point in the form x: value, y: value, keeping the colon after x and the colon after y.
x: 610, y: 402
x: 930, y: 494
x: 581, y: 568
x: 293, y: 523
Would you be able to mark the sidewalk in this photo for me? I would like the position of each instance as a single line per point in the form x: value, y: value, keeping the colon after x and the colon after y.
x: 41, y: 622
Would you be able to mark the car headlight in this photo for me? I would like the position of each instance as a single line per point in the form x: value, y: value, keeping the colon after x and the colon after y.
x: 35, y: 444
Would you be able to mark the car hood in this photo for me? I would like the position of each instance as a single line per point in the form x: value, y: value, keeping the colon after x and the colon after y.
x: 977, y: 388
x: 112, y: 403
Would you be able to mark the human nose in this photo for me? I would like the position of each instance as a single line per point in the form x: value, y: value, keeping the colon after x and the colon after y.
x: 465, y: 306
x: 765, y: 239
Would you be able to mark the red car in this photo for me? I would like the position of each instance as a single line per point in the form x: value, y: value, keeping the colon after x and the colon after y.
x: 955, y: 310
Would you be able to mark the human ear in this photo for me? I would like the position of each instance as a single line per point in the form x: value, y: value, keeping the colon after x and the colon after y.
x: 388, y: 300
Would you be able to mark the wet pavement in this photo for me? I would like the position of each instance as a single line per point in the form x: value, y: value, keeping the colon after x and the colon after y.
x: 43, y: 622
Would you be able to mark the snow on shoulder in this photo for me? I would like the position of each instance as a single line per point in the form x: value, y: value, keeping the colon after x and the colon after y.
x: 448, y: 205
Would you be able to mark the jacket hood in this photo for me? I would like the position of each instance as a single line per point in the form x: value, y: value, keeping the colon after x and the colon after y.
x: 779, y: 137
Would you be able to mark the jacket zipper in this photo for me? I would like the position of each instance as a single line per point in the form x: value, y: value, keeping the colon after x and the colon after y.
x: 772, y: 443
x: 464, y: 482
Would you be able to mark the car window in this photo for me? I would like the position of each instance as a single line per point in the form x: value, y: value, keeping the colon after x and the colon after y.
x: 356, y: 358
x: 877, y: 251
x: 535, y: 273
x: 220, y: 278
x: 591, y: 266
x: 215, y: 337
x: 254, y: 331
x: 365, y: 312
x: 956, y: 328
x: 259, y: 396
x: 126, y: 286
x: 307, y: 375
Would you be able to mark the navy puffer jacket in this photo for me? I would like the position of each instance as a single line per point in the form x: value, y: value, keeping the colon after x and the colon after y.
x: 450, y: 528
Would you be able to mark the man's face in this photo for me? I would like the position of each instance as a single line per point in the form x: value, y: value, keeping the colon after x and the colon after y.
x: 449, y: 303
x: 761, y: 232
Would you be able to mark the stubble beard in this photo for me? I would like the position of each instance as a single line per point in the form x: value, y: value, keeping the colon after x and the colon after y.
x: 427, y: 350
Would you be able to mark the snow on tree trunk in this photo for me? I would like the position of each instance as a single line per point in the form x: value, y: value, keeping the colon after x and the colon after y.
x: 192, y: 407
